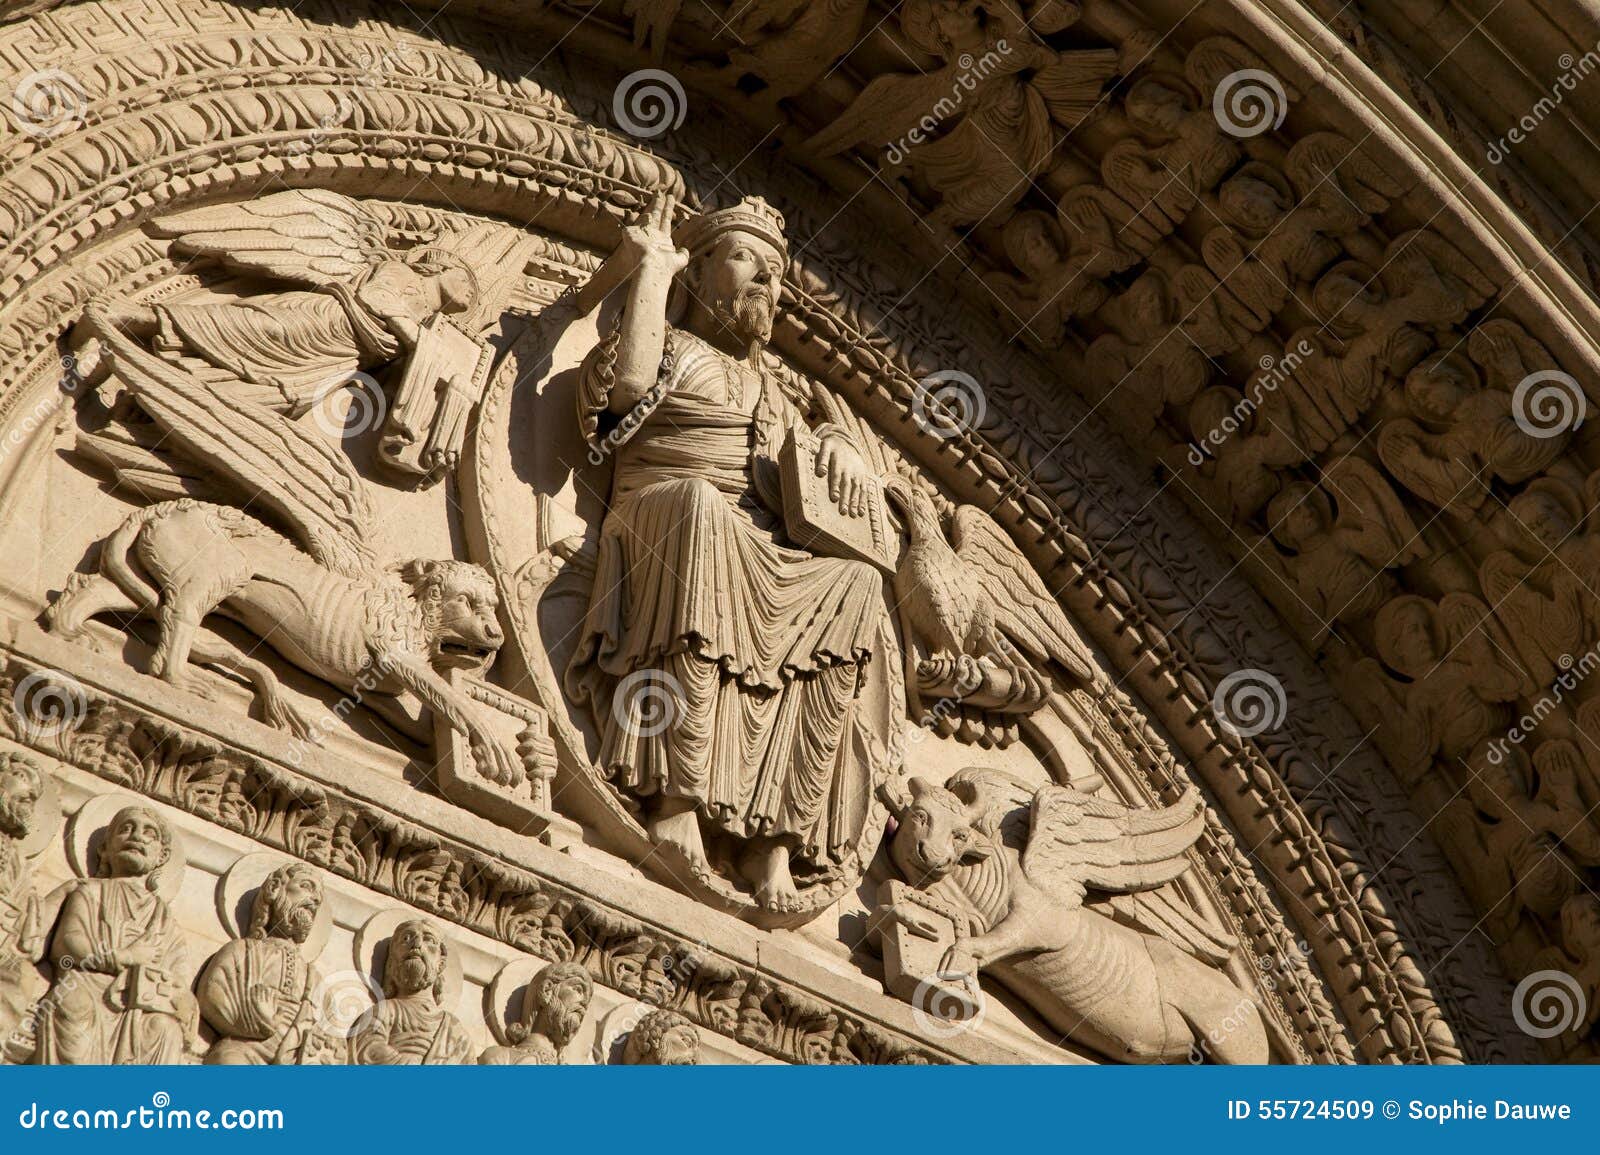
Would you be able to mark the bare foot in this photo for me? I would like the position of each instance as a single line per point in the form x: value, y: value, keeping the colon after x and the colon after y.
x: 766, y: 867
x: 675, y: 824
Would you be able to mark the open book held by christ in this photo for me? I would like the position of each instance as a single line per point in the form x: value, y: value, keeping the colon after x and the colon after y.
x: 814, y: 519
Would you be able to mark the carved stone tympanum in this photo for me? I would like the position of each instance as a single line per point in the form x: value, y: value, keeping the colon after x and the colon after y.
x: 567, y: 565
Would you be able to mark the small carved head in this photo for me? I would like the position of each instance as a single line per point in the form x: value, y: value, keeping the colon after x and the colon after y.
x: 459, y: 605
x: 287, y: 904
x: 1543, y: 516
x: 138, y: 843
x: 1408, y: 635
x: 1436, y: 388
x: 663, y: 1038
x: 1299, y: 515
x: 21, y: 784
x: 1256, y: 198
x: 935, y: 834
x: 556, y: 1002
x: 428, y: 281
x: 1158, y: 104
x: 416, y: 962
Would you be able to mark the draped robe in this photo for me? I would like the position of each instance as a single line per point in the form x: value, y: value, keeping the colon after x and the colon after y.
x: 99, y: 1011
x: 19, y: 983
x: 411, y: 1030
x: 287, y: 345
x: 244, y: 1036
x: 762, y: 649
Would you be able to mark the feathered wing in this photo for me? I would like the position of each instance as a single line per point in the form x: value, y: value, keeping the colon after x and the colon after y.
x: 261, y: 456
x: 886, y: 110
x: 1338, y: 161
x: 310, y: 236
x: 1214, y: 59
x: 1079, y: 843
x: 1025, y: 610
x: 1372, y: 519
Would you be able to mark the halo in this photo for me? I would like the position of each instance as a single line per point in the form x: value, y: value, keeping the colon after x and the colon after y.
x: 372, y: 949
x: 506, y: 993
x: 87, y: 831
x: 236, y: 895
x: 614, y: 1030
x: 46, y: 814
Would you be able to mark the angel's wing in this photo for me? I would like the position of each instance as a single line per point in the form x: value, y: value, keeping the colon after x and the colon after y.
x: 1474, y: 635
x: 1250, y: 280
x: 1215, y: 58
x: 886, y: 110
x: 1327, y: 157
x: 498, y: 257
x: 1024, y: 609
x: 755, y: 17
x: 309, y: 236
x: 652, y: 20
x: 1372, y: 519
x: 1439, y: 285
x: 263, y: 457
x: 1079, y: 842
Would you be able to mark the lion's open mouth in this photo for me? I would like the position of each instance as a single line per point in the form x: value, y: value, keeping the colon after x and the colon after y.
x: 478, y: 653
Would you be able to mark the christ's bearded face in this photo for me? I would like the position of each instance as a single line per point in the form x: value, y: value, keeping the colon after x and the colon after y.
x: 738, y: 285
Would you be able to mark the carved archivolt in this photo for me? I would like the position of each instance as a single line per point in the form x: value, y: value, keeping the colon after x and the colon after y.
x: 232, y: 104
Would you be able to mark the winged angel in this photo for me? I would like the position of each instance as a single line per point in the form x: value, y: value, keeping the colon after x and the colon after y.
x: 356, y: 306
x: 218, y: 389
x: 1127, y: 970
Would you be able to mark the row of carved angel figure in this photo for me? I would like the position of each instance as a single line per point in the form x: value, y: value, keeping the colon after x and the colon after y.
x: 122, y: 988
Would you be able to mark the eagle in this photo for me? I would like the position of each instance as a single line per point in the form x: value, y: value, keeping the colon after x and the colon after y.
x: 981, y: 628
